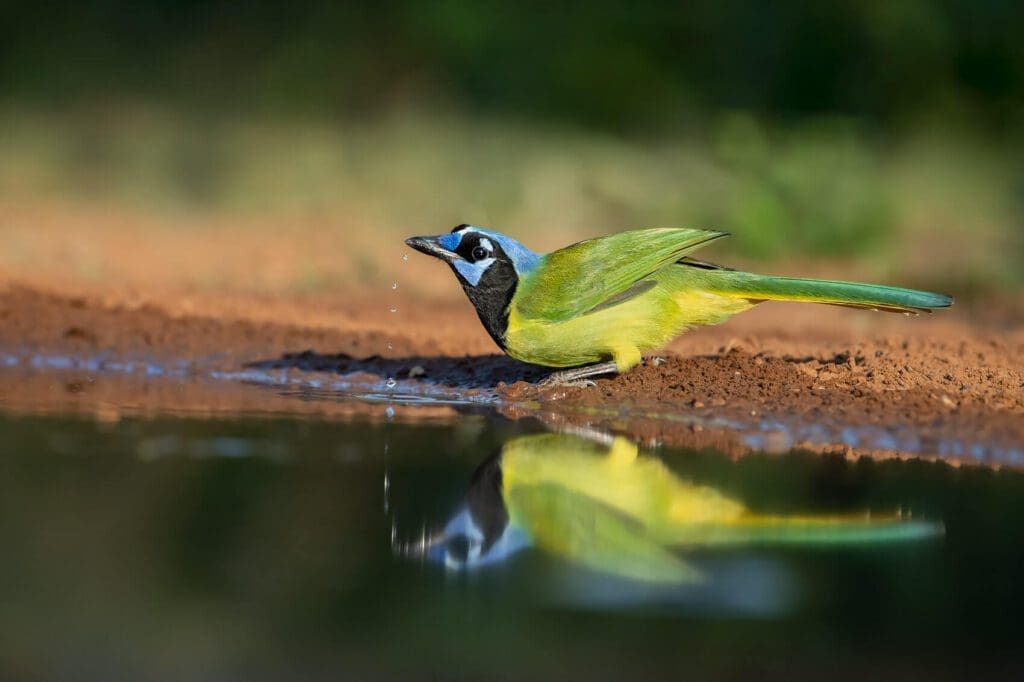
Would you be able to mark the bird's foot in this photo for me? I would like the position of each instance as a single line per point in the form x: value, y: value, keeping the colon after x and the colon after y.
x: 656, y: 360
x: 579, y: 376
x: 551, y: 382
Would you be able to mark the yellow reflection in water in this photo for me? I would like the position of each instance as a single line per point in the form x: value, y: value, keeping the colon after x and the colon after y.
x: 603, y: 506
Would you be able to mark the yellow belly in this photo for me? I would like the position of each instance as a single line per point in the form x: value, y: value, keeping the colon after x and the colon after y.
x: 624, y: 331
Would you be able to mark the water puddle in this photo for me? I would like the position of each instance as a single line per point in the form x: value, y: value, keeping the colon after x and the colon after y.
x: 270, y: 545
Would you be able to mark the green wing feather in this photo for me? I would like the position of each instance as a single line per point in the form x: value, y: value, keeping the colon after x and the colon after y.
x: 585, y: 531
x: 578, y: 278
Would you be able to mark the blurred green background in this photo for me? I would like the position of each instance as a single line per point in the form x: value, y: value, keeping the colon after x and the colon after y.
x: 882, y: 138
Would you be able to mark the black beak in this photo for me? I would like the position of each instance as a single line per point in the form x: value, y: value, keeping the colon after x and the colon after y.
x: 431, y: 247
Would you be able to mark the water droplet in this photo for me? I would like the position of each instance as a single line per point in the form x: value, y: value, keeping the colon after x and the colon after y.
x: 391, y: 383
x: 394, y: 285
x: 405, y: 256
x: 394, y: 309
x: 389, y: 412
x: 390, y: 347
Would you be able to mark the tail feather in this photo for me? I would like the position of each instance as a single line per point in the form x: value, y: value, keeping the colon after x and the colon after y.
x: 759, y: 288
x: 838, y: 530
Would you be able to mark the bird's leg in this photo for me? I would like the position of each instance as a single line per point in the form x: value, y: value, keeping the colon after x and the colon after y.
x: 579, y: 375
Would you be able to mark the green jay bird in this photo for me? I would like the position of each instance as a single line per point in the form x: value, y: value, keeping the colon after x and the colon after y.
x: 599, y: 504
x: 597, y: 305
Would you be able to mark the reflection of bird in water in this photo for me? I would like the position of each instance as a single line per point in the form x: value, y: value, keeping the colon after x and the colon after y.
x: 604, y: 507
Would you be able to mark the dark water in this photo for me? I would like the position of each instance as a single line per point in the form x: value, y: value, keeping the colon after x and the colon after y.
x: 272, y: 549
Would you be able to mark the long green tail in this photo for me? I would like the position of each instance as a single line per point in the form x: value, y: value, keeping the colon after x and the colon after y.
x: 852, y: 294
x: 762, y: 530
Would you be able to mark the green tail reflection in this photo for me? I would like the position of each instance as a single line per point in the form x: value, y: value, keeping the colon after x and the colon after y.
x: 604, y: 507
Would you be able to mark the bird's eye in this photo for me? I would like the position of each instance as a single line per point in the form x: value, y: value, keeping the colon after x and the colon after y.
x: 479, y: 253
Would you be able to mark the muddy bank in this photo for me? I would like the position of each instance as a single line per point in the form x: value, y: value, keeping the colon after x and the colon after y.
x: 781, y: 376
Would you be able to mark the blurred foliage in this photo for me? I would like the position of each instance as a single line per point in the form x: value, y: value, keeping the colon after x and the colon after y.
x: 933, y: 207
x: 613, y: 63
x: 884, y: 132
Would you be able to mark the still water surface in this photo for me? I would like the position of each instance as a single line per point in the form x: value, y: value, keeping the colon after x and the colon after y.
x: 272, y: 548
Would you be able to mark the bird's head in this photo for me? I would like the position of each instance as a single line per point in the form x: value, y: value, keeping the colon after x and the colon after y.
x: 480, y: 533
x: 489, y: 266
x: 476, y: 254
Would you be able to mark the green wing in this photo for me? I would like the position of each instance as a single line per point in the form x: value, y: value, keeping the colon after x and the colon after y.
x: 585, y: 531
x: 578, y: 278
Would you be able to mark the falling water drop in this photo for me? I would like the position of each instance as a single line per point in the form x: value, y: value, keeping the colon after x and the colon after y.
x: 389, y: 411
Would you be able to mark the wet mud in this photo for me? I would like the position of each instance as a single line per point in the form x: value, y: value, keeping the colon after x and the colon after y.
x: 949, y: 386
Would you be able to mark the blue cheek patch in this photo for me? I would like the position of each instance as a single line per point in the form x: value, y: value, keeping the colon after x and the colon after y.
x: 512, y: 540
x: 472, y: 272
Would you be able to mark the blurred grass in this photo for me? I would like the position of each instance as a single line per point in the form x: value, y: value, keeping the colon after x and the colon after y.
x: 933, y: 206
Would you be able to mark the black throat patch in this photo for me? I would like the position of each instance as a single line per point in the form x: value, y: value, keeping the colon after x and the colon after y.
x: 491, y: 298
x: 492, y: 295
x: 486, y: 501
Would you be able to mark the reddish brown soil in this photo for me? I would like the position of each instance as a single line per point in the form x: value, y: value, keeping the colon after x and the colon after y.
x: 931, y: 381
